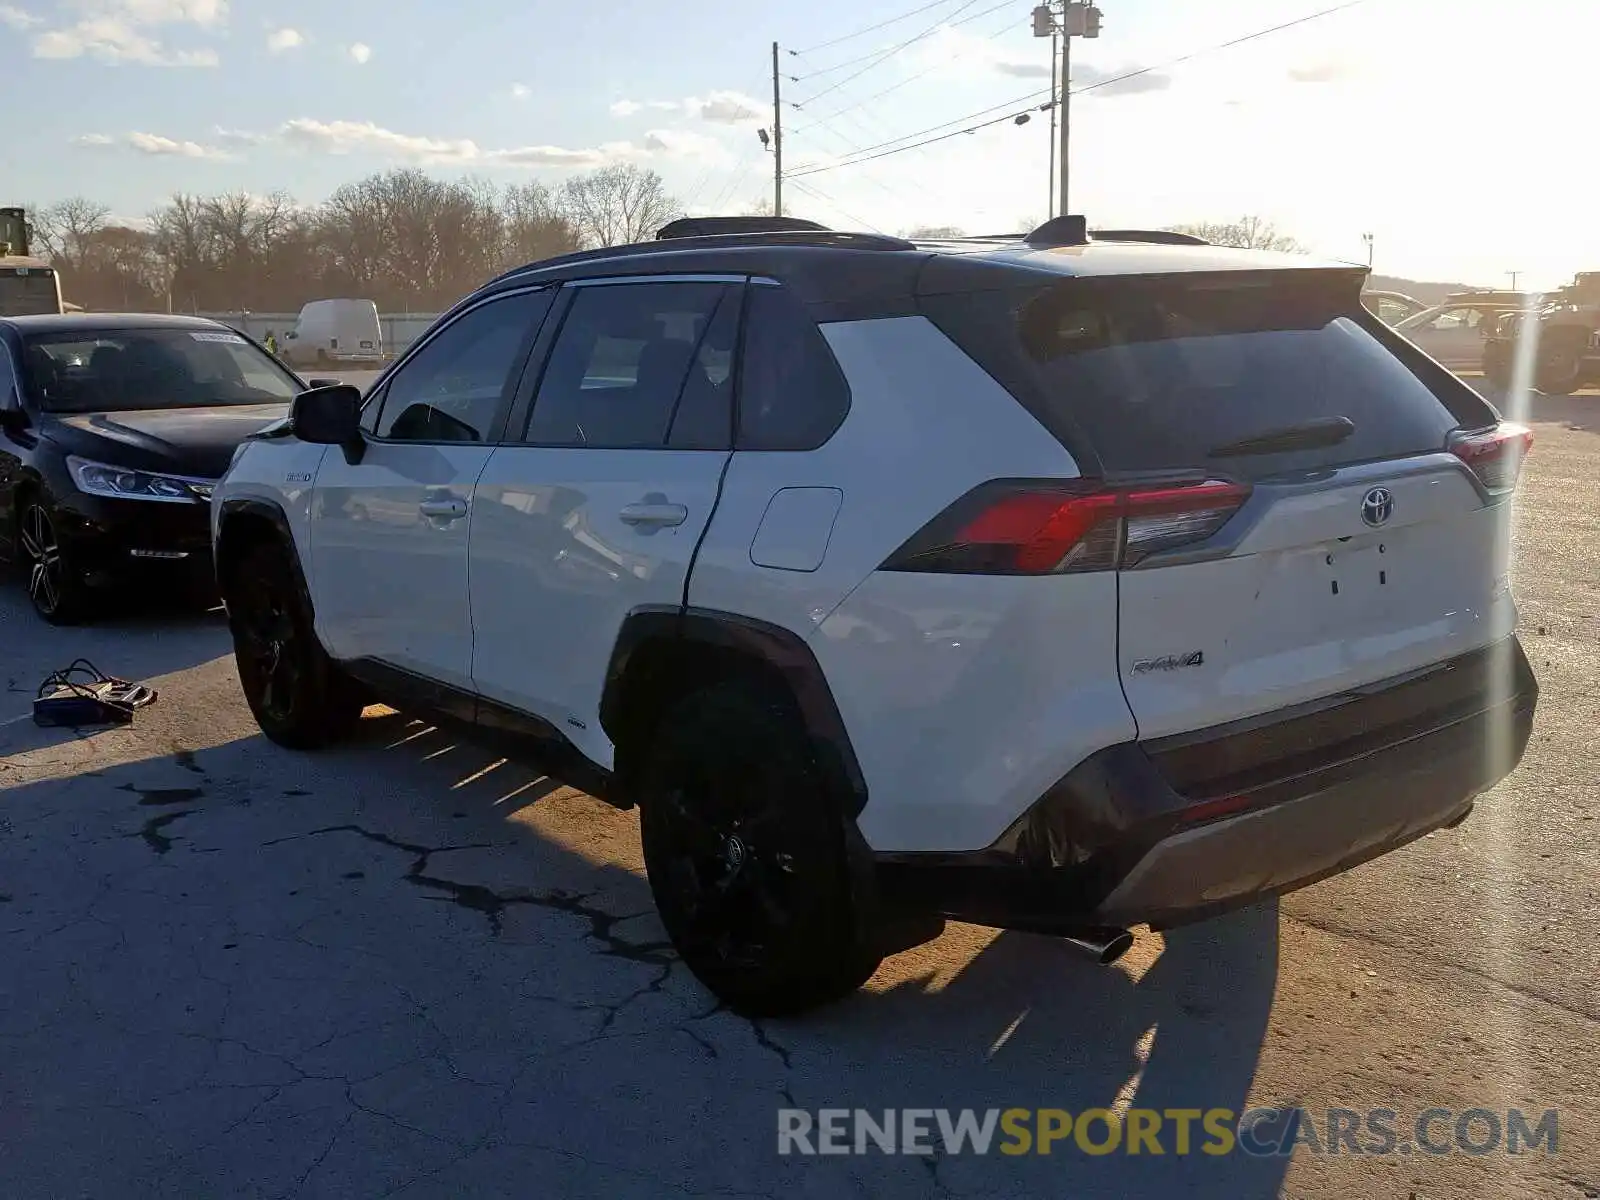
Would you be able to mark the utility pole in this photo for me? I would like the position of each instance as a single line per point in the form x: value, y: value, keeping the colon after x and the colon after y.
x: 1055, y: 115
x: 1077, y: 18
x: 1369, y: 240
x: 1513, y: 275
x: 777, y: 136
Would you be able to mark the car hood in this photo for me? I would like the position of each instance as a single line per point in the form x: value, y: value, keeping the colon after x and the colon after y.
x: 184, y: 441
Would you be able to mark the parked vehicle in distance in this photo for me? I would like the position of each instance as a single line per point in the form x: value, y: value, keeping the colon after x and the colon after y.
x: 113, y: 431
x: 1041, y: 582
x: 1391, y: 307
x: 1567, y: 355
x: 1453, y: 333
x: 28, y: 285
x: 330, y: 332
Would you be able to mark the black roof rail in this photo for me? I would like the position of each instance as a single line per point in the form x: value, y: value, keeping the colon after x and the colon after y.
x: 1068, y: 230
x: 826, y: 238
x: 713, y: 226
x: 1159, y: 237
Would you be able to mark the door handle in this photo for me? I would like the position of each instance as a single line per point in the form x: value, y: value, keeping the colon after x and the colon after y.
x: 443, y: 508
x: 647, y: 513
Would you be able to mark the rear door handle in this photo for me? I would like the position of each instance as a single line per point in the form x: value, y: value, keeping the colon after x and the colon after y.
x: 661, y: 515
x: 443, y: 508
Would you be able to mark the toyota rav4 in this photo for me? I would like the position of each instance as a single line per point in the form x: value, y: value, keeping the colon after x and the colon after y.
x: 1058, y: 582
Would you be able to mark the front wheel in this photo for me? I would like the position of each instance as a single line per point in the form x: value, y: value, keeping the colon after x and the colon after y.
x: 55, y: 589
x: 297, y: 694
x: 749, y: 856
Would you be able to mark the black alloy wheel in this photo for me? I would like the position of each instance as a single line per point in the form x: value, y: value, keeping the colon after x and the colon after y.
x: 54, y: 590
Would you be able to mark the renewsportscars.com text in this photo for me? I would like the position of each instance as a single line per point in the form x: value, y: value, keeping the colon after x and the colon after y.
x: 1149, y: 1131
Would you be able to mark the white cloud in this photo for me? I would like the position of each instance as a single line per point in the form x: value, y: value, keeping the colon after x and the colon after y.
x: 520, y: 91
x: 152, y: 144
x: 686, y: 144
x: 1123, y: 81
x: 1326, y: 71
x: 627, y: 108
x: 360, y: 53
x: 18, y: 18
x: 117, y: 31
x: 725, y: 108
x: 283, y: 39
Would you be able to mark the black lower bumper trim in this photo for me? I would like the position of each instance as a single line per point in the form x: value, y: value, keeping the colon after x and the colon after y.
x: 1135, y: 835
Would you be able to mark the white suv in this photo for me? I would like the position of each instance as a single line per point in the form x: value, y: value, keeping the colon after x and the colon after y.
x: 1055, y: 582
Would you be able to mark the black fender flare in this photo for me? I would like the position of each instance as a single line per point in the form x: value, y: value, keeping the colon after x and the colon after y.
x: 779, y: 650
x: 273, y: 514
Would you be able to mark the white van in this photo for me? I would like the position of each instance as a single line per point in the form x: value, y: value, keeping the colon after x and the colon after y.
x: 334, y: 331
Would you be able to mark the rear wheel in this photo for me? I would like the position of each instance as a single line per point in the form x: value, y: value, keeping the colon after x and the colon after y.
x: 55, y: 588
x: 297, y: 693
x: 750, y: 857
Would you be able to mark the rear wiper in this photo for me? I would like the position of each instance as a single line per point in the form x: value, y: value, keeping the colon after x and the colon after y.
x: 1321, y: 431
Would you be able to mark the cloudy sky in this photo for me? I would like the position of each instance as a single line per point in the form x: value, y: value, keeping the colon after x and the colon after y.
x: 1451, y: 130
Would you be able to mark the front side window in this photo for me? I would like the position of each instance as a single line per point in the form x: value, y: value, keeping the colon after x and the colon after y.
x: 625, y: 354
x: 125, y: 370
x: 451, y: 390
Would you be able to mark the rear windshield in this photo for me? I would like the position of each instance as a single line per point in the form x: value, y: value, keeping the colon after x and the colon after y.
x: 26, y: 293
x: 1181, y: 374
x: 126, y: 370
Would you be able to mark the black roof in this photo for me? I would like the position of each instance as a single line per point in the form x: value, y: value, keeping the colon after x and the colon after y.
x: 100, y: 322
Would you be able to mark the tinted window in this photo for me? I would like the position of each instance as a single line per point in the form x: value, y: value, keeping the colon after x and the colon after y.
x: 1161, y: 375
x: 792, y: 395
x: 122, y: 370
x: 624, y: 355
x: 451, y: 389
x: 704, y: 416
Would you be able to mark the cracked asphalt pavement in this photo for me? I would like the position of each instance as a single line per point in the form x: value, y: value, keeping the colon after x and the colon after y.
x: 406, y: 969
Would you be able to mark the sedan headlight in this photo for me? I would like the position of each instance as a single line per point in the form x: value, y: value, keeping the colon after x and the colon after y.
x: 123, y: 483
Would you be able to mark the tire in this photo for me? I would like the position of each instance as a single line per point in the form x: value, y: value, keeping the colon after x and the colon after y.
x: 1497, y: 365
x: 55, y: 588
x: 297, y: 693
x: 1558, y: 376
x: 757, y: 873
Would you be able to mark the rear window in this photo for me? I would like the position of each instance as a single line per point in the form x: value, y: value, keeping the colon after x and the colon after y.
x: 1170, y: 374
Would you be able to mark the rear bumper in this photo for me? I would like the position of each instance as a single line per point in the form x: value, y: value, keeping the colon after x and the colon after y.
x: 1182, y: 828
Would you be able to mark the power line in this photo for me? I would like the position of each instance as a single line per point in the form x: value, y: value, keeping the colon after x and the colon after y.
x: 870, y: 28
x: 894, y: 87
x: 880, y: 151
x: 850, y: 62
x: 885, y: 56
x: 829, y: 200
x: 809, y: 168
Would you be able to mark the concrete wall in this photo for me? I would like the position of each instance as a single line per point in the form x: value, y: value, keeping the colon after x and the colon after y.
x: 399, y: 329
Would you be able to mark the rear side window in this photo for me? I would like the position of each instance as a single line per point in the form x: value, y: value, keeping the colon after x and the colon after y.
x: 792, y: 394
x: 625, y: 354
x: 1190, y: 374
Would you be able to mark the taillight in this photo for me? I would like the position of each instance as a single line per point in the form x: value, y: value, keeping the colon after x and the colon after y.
x: 1495, y: 455
x: 1013, y: 527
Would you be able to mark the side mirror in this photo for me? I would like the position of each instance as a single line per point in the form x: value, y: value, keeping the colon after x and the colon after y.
x: 329, y: 416
x: 12, y: 418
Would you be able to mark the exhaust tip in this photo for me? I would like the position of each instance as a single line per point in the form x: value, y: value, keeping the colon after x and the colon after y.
x: 1104, y: 946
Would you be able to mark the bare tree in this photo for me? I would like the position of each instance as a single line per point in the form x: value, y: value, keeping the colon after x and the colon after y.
x: 62, y: 231
x: 617, y: 204
x: 1248, y: 232
x: 933, y: 233
x: 535, y: 226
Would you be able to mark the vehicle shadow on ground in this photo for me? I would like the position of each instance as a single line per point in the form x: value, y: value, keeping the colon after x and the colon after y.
x: 509, y: 1016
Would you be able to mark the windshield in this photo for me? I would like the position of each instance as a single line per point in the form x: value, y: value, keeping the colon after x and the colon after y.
x: 125, y: 370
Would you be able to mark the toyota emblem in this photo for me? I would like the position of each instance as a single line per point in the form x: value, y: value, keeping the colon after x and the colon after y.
x: 1377, y: 506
